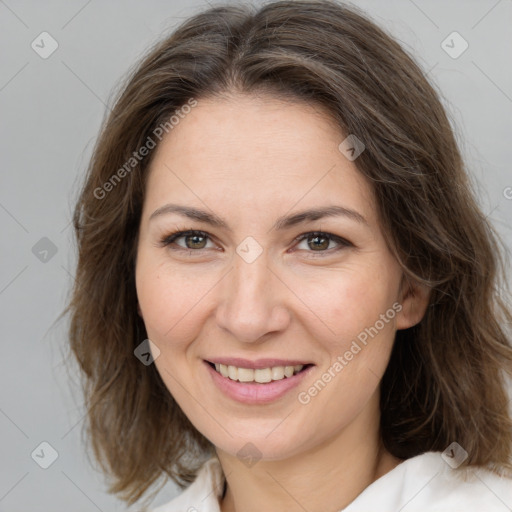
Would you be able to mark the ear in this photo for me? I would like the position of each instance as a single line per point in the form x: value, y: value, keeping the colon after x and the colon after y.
x: 414, y: 298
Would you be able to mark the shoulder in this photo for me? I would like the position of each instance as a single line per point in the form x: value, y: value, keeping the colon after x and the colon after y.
x: 428, y: 483
x: 425, y: 483
x: 203, y: 494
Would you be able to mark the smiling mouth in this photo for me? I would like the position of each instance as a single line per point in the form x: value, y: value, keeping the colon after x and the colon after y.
x: 260, y: 375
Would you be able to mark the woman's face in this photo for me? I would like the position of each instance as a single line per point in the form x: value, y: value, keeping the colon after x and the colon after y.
x: 254, y: 289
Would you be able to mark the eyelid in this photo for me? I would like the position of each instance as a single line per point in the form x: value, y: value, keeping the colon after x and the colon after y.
x: 342, y: 242
x: 175, y: 235
x: 168, y: 239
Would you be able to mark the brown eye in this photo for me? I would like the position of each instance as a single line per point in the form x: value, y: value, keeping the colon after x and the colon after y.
x: 195, y: 241
x: 192, y: 240
x: 318, y: 242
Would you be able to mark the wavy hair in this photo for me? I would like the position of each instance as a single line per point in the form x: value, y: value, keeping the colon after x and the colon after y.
x: 446, y: 379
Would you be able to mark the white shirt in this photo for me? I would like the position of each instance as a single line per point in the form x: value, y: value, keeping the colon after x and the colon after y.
x: 422, y: 483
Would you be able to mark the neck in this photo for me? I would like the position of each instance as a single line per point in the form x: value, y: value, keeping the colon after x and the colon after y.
x: 326, y: 478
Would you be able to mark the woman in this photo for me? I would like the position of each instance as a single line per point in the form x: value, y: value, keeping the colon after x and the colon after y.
x: 286, y: 295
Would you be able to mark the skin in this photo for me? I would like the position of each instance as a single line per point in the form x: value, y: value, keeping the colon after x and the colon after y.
x: 250, y: 160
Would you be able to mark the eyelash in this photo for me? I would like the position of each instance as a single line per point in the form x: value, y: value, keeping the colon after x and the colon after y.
x: 169, y: 239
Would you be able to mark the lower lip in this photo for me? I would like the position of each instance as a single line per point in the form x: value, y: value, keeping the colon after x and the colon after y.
x: 254, y: 392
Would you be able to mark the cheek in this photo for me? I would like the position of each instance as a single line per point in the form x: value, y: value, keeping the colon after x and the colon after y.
x: 170, y: 302
x: 346, y: 302
x: 170, y: 308
x: 354, y: 325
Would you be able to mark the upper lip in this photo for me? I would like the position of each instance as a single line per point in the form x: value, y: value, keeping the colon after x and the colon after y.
x: 257, y: 363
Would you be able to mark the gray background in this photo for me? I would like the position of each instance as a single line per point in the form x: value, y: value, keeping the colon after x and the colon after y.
x: 51, y: 110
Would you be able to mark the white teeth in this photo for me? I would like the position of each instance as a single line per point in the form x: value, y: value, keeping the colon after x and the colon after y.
x: 278, y: 373
x: 261, y: 375
x: 233, y: 372
x: 288, y: 371
x: 245, y: 374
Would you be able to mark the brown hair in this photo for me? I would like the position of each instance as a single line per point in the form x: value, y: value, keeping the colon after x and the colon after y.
x: 446, y: 377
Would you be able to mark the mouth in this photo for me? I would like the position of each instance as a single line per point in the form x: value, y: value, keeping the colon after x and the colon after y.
x: 258, y: 375
x: 257, y: 382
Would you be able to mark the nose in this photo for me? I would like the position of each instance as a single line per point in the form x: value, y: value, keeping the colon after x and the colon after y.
x: 253, y: 302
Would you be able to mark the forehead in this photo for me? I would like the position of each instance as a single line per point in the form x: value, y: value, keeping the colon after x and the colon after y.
x: 256, y: 152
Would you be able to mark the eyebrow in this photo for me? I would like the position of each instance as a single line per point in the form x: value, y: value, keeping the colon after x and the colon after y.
x: 282, y: 223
